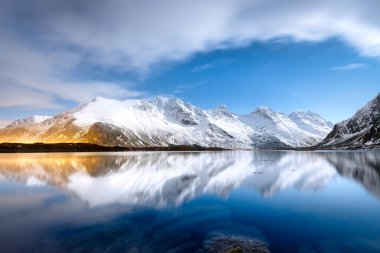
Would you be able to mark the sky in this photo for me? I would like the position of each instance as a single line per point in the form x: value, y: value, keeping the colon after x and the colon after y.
x: 289, y: 55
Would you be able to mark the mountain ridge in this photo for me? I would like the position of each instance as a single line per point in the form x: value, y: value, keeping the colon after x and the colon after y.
x: 362, y: 130
x: 169, y: 121
x: 34, y: 119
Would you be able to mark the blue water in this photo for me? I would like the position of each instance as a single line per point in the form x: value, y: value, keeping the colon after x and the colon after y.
x: 175, y: 201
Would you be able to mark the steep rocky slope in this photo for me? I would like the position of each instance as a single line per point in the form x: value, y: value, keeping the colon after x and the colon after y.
x: 360, y: 131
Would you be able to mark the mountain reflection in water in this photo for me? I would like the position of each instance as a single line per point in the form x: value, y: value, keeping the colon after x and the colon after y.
x: 161, y: 179
x: 174, y: 201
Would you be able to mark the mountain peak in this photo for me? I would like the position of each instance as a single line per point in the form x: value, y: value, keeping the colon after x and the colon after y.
x: 166, y: 121
x: 222, y: 108
x: 162, y: 99
x: 34, y: 119
x: 98, y: 98
x: 376, y: 100
x: 305, y: 113
x: 367, y: 111
x: 264, y: 110
x: 362, y: 130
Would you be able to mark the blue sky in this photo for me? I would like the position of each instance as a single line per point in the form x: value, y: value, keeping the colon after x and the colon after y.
x: 319, y: 56
x: 284, y: 76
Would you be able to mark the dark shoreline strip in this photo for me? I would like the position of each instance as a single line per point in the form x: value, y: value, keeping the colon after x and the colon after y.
x: 87, y: 147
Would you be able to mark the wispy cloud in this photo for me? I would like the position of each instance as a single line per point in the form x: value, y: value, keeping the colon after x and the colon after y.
x: 351, y: 66
x: 34, y: 78
x: 54, y: 38
x: 137, y: 35
x: 210, y: 65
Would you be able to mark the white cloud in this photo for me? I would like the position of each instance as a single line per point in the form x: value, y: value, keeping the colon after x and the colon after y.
x: 140, y: 34
x: 351, y: 66
x: 58, y: 36
x: 33, y: 78
x: 17, y: 96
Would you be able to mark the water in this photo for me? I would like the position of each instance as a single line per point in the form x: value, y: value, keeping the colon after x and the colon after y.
x: 175, y: 201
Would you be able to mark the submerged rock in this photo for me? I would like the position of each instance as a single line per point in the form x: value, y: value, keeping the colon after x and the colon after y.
x: 235, y: 244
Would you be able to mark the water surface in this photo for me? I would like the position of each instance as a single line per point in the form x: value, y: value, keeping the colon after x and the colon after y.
x: 174, y: 201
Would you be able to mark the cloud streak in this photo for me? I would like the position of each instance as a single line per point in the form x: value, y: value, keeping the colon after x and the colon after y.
x: 42, y: 43
x: 210, y: 65
x: 351, y: 66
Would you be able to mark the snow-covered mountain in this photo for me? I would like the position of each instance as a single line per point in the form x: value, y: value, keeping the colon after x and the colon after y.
x: 311, y: 122
x: 297, y: 129
x: 35, y: 119
x: 170, y: 121
x: 4, y: 123
x: 360, y: 131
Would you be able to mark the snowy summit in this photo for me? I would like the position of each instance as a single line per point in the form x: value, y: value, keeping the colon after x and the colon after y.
x: 170, y: 121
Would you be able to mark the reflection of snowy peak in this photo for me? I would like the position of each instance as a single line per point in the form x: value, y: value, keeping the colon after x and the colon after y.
x: 278, y: 172
x: 170, y: 178
x: 170, y: 121
x: 360, y: 131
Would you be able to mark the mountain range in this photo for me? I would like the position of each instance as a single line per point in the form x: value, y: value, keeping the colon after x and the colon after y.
x: 163, y: 122
x: 169, y: 121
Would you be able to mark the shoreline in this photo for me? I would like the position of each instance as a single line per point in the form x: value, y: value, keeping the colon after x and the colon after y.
x: 88, y: 147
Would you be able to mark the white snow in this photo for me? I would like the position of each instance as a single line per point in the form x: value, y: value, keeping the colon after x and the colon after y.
x: 35, y: 119
x: 165, y: 121
x: 187, y: 124
x: 311, y: 122
x: 298, y: 129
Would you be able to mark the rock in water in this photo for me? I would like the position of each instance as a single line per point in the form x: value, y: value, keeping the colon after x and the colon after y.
x: 235, y: 244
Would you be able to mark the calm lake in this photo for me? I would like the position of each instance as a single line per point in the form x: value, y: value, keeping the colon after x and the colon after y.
x: 135, y: 202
